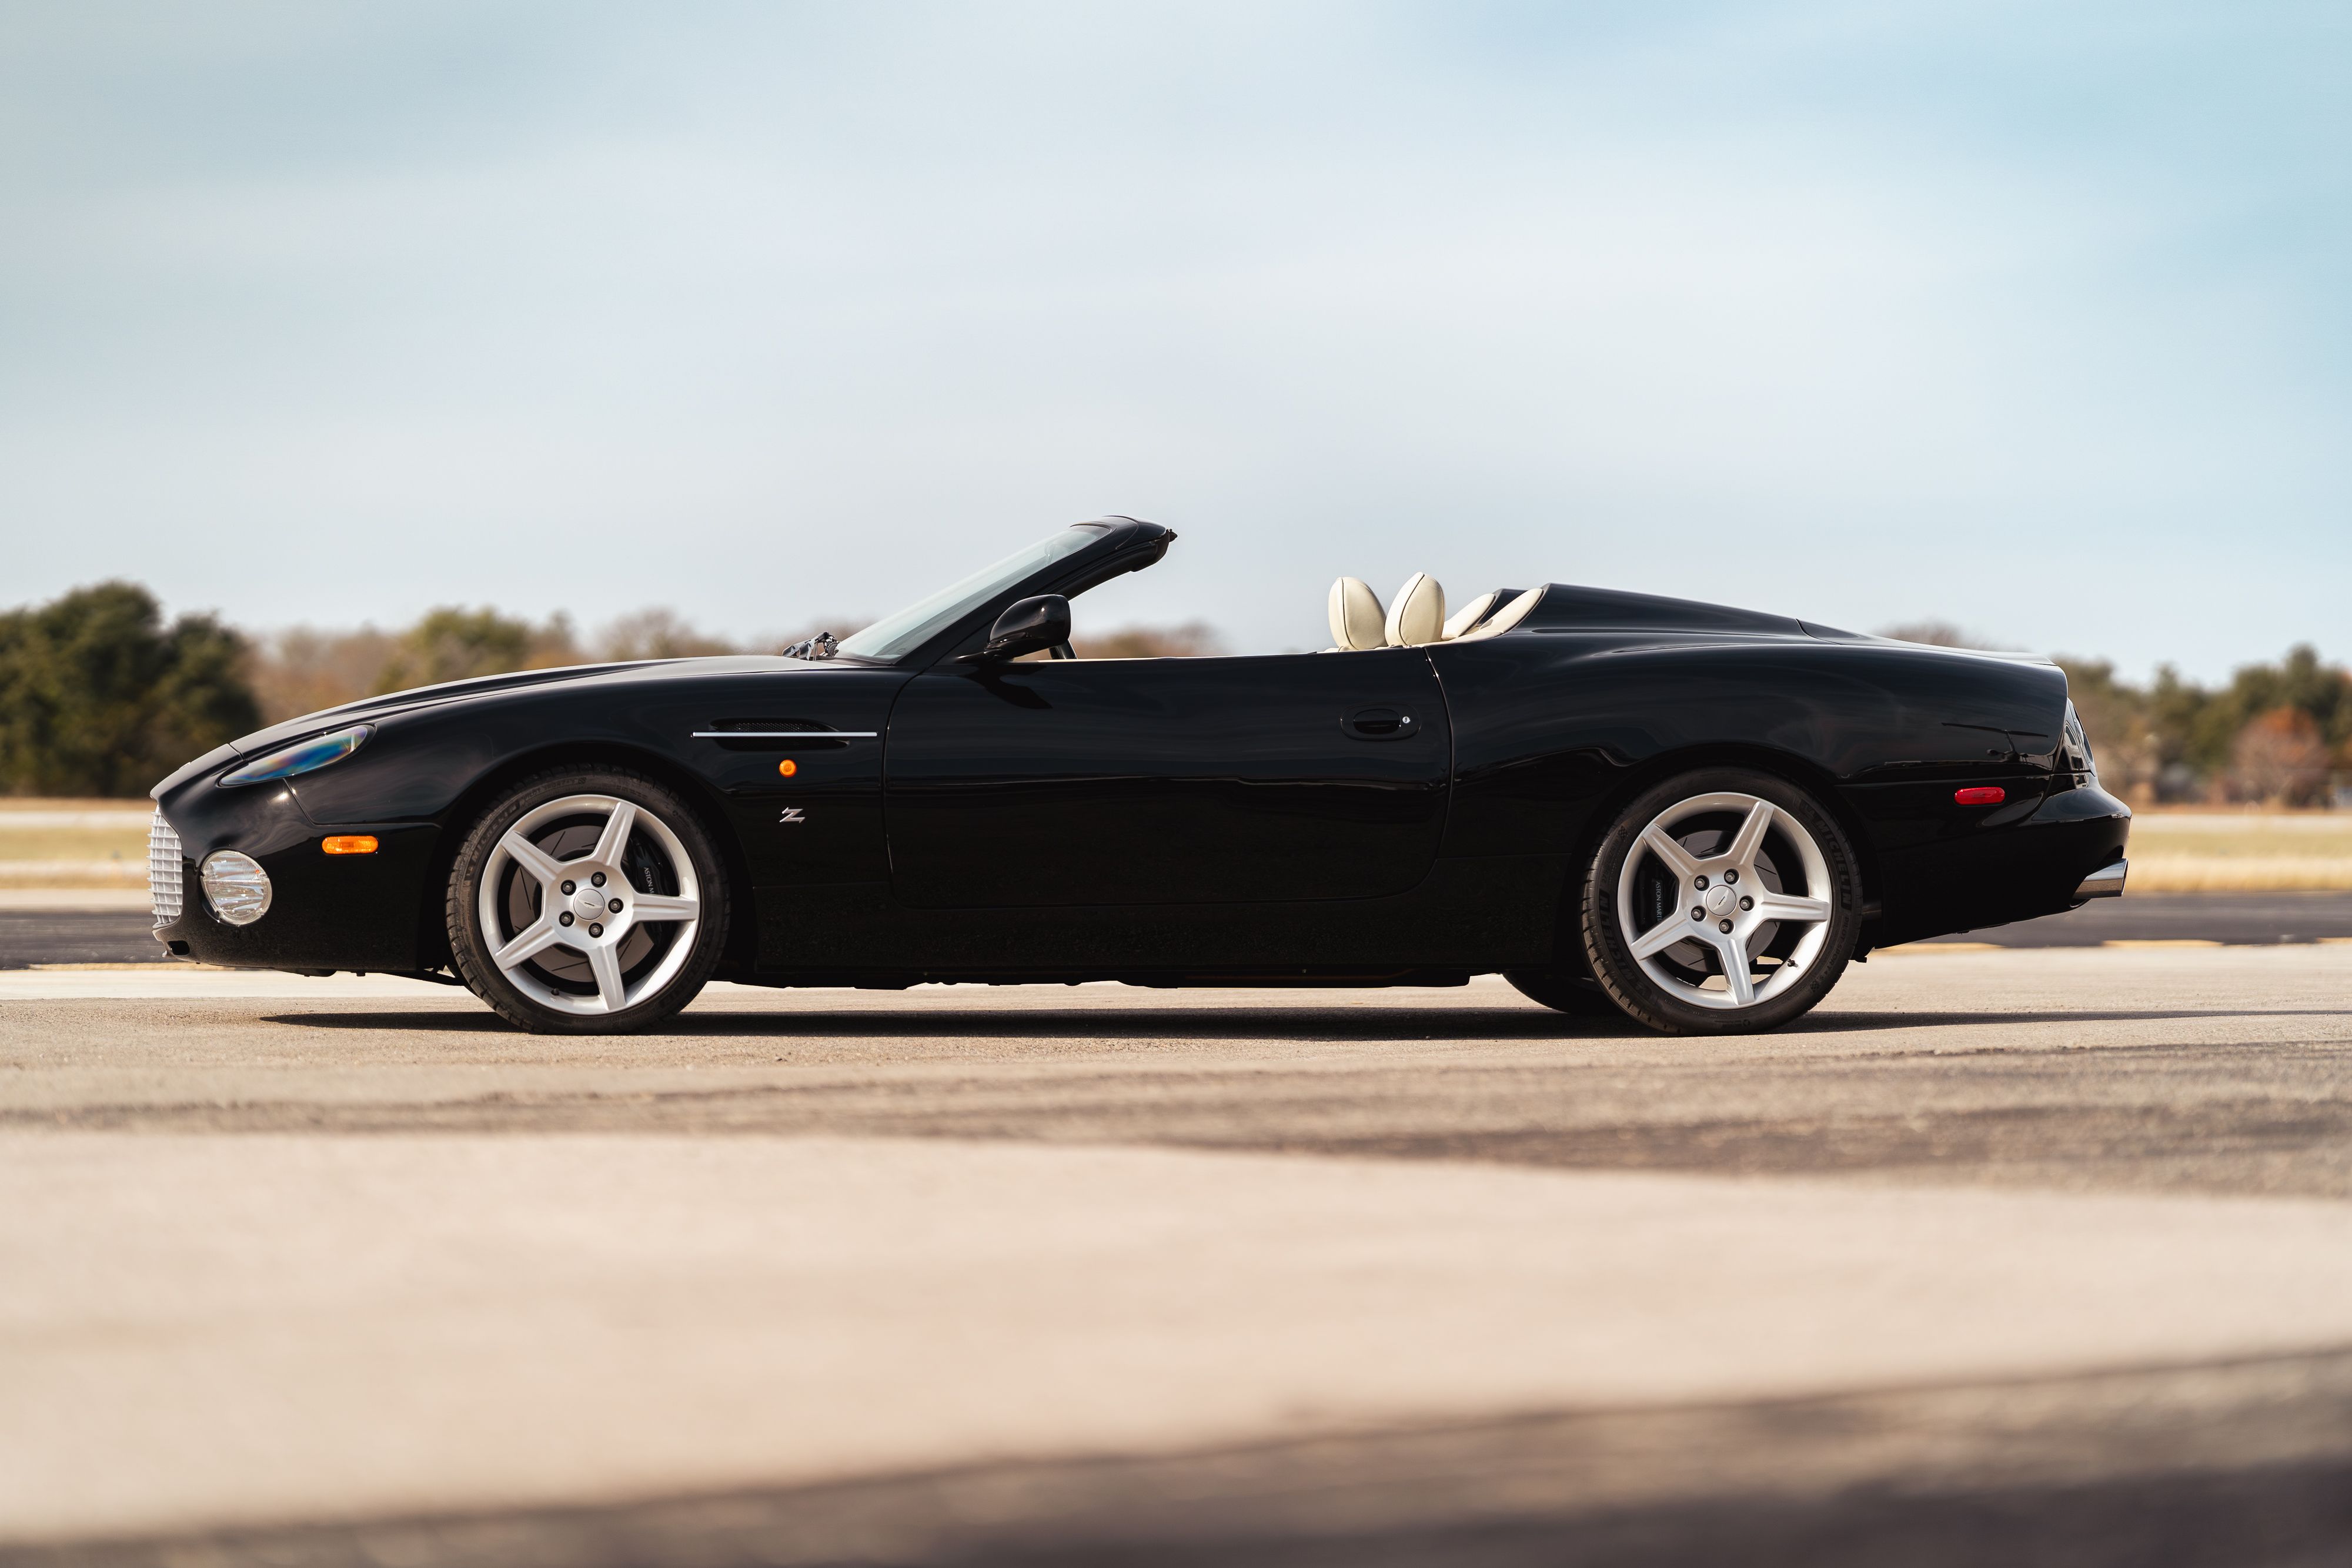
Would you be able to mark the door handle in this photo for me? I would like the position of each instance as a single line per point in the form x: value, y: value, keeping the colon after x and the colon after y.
x: 1380, y: 724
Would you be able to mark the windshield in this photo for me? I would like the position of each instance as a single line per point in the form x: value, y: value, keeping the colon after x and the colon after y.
x: 894, y: 636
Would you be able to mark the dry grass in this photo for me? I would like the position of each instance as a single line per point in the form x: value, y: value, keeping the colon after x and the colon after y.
x: 72, y: 843
x: 2240, y: 852
x: 11, y: 804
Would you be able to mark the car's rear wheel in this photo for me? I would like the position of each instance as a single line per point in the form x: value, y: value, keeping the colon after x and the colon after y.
x: 587, y: 901
x: 1722, y: 901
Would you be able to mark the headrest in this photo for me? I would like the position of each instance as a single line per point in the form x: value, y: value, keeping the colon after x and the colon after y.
x: 1508, y: 616
x: 1417, y: 614
x: 1355, y: 612
x: 1462, y: 620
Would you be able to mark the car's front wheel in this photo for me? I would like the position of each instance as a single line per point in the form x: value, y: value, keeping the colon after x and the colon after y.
x: 1722, y: 901
x: 587, y: 902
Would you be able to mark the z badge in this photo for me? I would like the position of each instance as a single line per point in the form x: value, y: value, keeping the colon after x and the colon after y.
x: 792, y: 814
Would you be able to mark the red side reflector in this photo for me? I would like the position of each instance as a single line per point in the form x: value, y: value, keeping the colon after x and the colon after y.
x: 1981, y: 795
x: 350, y: 844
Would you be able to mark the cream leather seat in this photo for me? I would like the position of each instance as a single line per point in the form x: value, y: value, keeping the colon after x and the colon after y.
x: 1355, y: 614
x: 1417, y: 614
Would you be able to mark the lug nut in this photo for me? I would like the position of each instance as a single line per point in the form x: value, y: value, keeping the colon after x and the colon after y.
x: 1702, y: 884
x: 599, y: 931
x: 1696, y: 912
x: 598, y: 879
x: 564, y: 918
x: 1724, y: 927
x: 615, y: 906
x: 1747, y: 903
x: 1731, y: 876
x: 570, y: 888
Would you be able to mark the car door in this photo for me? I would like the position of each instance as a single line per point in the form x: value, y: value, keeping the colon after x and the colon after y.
x: 1158, y: 781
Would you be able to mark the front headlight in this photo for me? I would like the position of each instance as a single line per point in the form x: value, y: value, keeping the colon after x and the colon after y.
x: 235, y: 886
x: 301, y: 756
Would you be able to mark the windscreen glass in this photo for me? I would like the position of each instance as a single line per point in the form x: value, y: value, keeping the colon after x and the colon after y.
x: 894, y: 636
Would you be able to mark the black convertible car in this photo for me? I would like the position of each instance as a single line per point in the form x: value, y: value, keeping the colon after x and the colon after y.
x: 1692, y: 815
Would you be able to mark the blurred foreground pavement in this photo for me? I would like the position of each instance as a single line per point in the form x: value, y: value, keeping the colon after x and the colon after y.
x: 2013, y: 1257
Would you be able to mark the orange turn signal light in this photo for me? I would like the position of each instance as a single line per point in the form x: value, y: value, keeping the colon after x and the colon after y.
x: 788, y: 767
x: 1981, y: 795
x: 349, y: 845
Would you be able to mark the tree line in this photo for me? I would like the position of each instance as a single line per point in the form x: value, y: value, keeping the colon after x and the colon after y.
x: 100, y: 695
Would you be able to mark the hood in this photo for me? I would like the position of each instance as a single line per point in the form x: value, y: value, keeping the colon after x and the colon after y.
x: 391, y: 702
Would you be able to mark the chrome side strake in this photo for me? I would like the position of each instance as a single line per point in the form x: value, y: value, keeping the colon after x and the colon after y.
x: 787, y: 734
x: 2107, y: 882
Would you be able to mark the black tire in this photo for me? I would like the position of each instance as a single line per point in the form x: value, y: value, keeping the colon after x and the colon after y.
x: 1579, y: 996
x: 1785, y: 986
x: 668, y: 862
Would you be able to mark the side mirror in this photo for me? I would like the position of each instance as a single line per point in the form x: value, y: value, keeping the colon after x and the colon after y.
x: 1028, y: 625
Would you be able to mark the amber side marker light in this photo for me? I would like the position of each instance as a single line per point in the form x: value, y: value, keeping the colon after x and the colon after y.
x: 1981, y: 795
x: 788, y: 767
x: 349, y: 845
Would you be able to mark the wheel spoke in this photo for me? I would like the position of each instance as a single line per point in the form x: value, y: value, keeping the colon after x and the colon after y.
x: 529, y: 942
x: 1751, y: 837
x: 662, y: 906
x: 1789, y: 907
x: 605, y: 961
x: 532, y: 858
x: 1674, y: 928
x: 616, y: 836
x: 1733, y: 952
x: 1661, y: 844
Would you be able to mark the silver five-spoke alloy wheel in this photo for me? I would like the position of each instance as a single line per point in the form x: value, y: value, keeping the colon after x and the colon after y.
x: 593, y: 928
x: 1753, y: 914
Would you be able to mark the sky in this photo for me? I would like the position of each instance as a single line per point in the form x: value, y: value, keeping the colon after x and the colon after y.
x: 2028, y: 317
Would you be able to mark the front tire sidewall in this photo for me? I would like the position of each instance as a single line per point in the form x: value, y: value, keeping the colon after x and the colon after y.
x: 470, y: 949
x: 1621, y: 974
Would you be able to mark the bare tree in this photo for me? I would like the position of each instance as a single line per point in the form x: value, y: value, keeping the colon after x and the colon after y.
x: 658, y: 633
x: 2279, y: 758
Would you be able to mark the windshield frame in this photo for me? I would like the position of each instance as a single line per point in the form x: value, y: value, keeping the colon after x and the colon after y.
x: 1067, y: 562
x: 910, y: 627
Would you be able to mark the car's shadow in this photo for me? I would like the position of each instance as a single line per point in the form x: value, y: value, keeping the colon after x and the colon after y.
x: 1238, y: 1023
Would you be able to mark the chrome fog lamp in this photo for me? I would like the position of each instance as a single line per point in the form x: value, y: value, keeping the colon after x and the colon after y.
x: 235, y: 886
x: 301, y: 756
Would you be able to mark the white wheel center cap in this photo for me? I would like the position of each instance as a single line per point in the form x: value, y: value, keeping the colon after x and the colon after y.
x: 588, y: 903
x: 1720, y: 900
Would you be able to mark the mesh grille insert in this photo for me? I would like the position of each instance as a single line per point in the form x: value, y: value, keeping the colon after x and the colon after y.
x: 163, y: 870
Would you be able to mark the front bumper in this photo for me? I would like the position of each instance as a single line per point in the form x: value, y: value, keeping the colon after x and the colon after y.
x: 326, y: 912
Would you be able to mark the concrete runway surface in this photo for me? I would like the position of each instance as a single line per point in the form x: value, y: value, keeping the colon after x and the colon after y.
x: 2019, y: 1257
x: 116, y: 929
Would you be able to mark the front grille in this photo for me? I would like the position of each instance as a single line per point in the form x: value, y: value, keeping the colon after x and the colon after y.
x: 163, y: 871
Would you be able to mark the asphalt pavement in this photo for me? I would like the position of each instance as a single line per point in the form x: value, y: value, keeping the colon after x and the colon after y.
x: 2013, y: 1257
x: 29, y: 936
